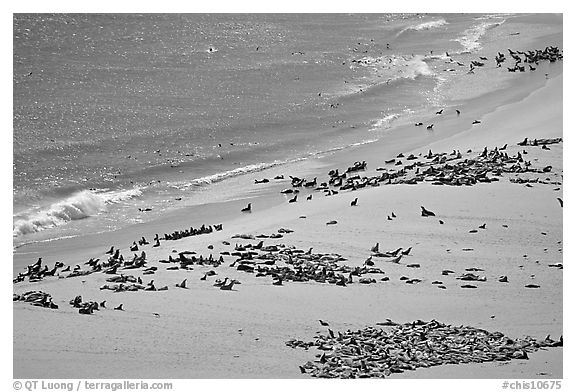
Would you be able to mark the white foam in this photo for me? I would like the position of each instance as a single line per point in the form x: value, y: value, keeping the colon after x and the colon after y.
x: 416, y: 66
x: 118, y: 196
x: 331, y: 150
x: 207, y: 180
x: 471, y: 38
x: 384, y: 122
x: 387, y: 121
x: 432, y: 24
x: 78, y: 206
x: 429, y: 25
x: 397, y: 67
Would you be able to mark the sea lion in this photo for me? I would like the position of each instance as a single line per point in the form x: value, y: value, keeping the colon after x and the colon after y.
x: 426, y: 212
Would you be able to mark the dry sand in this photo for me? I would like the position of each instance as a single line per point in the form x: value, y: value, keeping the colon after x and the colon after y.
x: 203, y: 332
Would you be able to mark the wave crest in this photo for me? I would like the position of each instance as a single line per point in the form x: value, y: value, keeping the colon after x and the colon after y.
x: 207, y: 180
x: 429, y: 25
x: 432, y: 24
x: 471, y: 38
x: 397, y: 67
x: 78, y: 206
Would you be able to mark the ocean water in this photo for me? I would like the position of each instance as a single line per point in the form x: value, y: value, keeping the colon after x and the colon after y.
x: 117, y: 112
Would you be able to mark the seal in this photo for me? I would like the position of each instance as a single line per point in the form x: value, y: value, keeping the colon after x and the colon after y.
x: 228, y: 286
x: 426, y: 212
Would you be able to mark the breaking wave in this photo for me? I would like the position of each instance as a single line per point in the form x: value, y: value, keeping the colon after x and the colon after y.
x: 384, y: 122
x: 424, y: 26
x: 211, y: 179
x: 394, y: 67
x: 207, y: 180
x: 471, y: 38
x: 429, y: 25
x: 387, y: 121
x: 78, y: 206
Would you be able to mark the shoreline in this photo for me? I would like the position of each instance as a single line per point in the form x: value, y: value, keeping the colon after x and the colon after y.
x: 403, y: 137
x: 203, y: 323
x: 350, y: 118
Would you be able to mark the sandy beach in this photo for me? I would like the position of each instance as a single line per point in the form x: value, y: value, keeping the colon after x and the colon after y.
x: 491, y: 229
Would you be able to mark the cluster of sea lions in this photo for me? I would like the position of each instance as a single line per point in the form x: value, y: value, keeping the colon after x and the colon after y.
x: 87, y: 307
x: 550, y: 53
x: 184, y: 262
x: 279, y: 234
x: 531, y: 57
x: 179, y: 234
x: 35, y: 272
x: 377, y: 352
x: 176, y: 235
x: 455, y: 169
x: 36, y: 298
x: 129, y: 283
x: 110, y: 266
x: 540, y: 142
x: 537, y: 180
x: 288, y: 264
x: 117, y: 261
